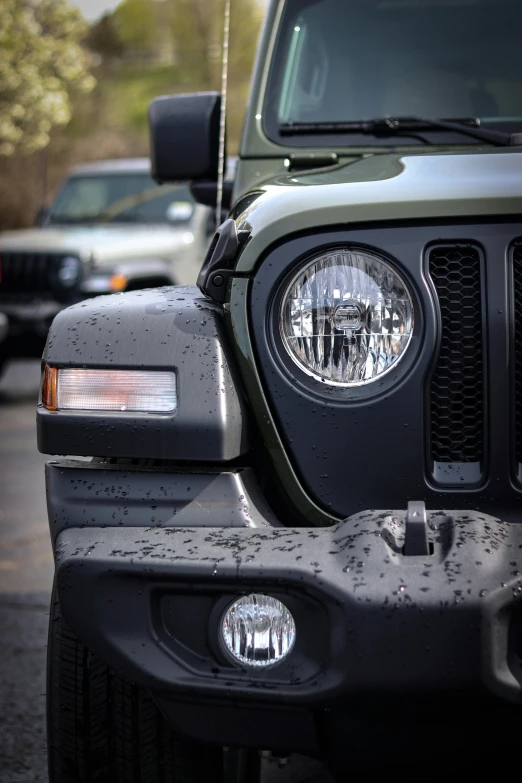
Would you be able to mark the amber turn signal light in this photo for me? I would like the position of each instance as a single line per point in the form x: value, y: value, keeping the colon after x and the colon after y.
x: 117, y: 283
x: 49, y: 388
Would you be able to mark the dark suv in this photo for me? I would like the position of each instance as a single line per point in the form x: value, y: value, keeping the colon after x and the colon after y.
x: 300, y: 530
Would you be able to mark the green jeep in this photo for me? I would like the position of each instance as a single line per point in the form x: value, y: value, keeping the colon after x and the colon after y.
x: 300, y: 529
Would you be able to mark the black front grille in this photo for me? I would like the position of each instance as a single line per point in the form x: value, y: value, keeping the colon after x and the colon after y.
x: 457, y: 384
x: 517, y: 285
x: 28, y: 273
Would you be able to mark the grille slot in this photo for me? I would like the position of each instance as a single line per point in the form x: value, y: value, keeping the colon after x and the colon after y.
x: 28, y: 273
x: 517, y: 285
x: 457, y: 384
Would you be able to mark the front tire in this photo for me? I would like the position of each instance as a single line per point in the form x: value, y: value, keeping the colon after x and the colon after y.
x: 104, y: 729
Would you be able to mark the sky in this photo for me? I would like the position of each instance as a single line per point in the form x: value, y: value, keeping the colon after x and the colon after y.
x: 92, y: 9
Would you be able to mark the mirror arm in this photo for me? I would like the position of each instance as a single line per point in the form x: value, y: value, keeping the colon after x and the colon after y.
x: 206, y: 193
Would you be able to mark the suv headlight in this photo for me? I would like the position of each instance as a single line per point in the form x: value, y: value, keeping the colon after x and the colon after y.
x: 70, y: 271
x: 347, y: 318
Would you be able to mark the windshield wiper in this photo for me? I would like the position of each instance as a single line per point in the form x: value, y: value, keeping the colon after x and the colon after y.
x: 68, y: 220
x: 115, y: 210
x: 402, y: 126
x: 122, y: 218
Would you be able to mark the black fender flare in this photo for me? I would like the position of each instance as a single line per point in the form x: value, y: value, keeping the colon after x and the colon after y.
x: 174, y: 328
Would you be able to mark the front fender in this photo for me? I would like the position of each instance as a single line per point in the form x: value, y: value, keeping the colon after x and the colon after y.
x: 174, y: 328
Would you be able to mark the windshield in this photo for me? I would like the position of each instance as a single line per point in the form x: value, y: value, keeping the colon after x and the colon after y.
x: 351, y: 60
x: 128, y: 198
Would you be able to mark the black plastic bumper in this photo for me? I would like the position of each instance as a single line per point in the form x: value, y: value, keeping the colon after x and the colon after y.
x: 374, y: 626
x: 368, y: 619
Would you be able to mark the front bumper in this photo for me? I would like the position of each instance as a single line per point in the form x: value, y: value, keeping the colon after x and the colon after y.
x: 373, y: 626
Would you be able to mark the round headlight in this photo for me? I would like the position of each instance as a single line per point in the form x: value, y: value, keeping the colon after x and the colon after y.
x: 69, y: 271
x: 258, y: 630
x: 347, y: 318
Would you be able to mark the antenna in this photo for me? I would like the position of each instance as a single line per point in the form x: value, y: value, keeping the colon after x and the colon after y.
x: 223, y: 118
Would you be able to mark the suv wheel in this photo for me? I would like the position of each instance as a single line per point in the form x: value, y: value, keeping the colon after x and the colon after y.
x: 102, y: 728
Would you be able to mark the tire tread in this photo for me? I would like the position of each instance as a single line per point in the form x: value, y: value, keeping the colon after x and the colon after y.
x: 103, y: 729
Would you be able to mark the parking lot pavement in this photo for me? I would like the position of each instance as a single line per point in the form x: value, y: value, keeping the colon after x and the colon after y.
x: 25, y: 581
x: 26, y: 572
x: 23, y: 619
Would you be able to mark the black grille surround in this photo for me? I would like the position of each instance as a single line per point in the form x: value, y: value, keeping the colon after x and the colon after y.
x: 456, y: 393
x: 349, y: 454
x: 516, y: 256
x: 28, y: 275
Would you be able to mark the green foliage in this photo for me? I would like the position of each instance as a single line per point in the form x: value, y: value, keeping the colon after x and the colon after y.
x: 135, y: 24
x: 127, y: 91
x: 41, y: 63
x: 44, y: 77
x: 197, y: 31
x: 103, y: 38
x: 191, y: 32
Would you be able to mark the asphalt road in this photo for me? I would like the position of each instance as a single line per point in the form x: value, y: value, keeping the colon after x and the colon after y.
x: 26, y: 572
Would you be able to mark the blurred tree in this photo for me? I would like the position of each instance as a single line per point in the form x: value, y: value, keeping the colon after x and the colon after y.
x: 41, y: 63
x: 103, y: 38
x: 136, y: 25
x: 197, y: 30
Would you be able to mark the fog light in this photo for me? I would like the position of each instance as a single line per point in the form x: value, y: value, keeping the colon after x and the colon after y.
x: 258, y: 630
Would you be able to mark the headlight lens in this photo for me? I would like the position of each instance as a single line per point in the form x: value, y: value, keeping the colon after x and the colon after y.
x: 347, y: 318
x: 258, y: 630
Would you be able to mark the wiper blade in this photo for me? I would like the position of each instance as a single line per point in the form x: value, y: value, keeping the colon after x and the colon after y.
x: 123, y: 218
x: 67, y: 220
x: 401, y: 126
x: 115, y: 210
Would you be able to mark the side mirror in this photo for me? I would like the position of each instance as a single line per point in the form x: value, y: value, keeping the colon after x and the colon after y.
x: 40, y: 219
x: 184, y: 137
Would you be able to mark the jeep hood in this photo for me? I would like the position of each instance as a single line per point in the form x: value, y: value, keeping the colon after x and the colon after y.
x: 384, y: 188
x: 106, y: 243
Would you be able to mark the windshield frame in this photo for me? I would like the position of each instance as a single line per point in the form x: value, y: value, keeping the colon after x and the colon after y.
x: 273, y: 130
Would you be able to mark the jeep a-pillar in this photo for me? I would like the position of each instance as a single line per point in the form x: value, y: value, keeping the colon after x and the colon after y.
x: 300, y: 529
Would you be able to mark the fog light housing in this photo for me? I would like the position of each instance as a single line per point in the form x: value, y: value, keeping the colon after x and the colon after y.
x: 258, y: 630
